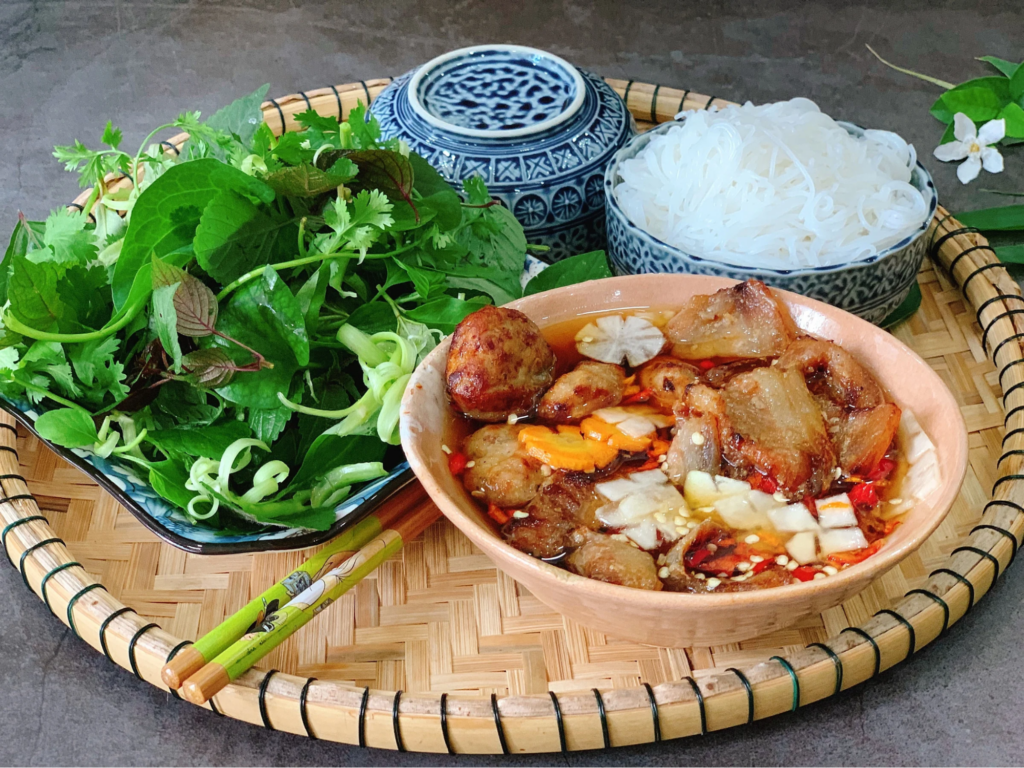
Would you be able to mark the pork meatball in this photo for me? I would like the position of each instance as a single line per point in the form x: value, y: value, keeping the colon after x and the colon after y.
x: 585, y: 389
x: 502, y: 472
x: 613, y: 561
x: 499, y: 365
x: 563, y: 505
x: 667, y: 378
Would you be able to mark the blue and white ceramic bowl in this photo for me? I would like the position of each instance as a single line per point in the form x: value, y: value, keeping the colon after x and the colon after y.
x: 539, y: 131
x: 872, y: 288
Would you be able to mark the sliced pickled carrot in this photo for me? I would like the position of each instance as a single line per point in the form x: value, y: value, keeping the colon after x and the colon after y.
x: 600, y: 430
x: 566, y: 449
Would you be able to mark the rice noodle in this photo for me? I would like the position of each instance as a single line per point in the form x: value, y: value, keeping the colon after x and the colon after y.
x: 778, y: 185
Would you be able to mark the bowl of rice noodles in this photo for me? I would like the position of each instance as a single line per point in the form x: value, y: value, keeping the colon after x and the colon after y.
x: 778, y: 192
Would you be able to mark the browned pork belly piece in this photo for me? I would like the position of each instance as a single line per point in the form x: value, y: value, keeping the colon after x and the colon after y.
x: 861, y: 423
x: 667, y: 378
x: 744, y: 321
x: 598, y: 556
x: 719, y: 376
x: 679, y: 579
x: 697, y: 445
x: 585, y: 389
x: 502, y: 472
x: 775, y: 427
x: 498, y: 365
x: 562, y: 505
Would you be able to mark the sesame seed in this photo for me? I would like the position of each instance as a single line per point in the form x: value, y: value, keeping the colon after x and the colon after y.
x: 520, y: 515
x: 792, y: 565
x: 470, y: 464
x: 679, y: 520
x: 831, y: 570
x: 512, y: 418
x: 756, y: 559
x: 743, y: 567
x: 895, y: 501
x: 620, y: 537
x: 663, y: 573
x: 723, y: 575
x: 662, y: 459
x: 661, y: 560
x: 700, y: 576
x: 781, y: 560
x: 752, y: 539
x: 546, y: 470
x: 691, y: 525
x: 697, y: 438
x: 478, y: 493
x: 775, y: 361
x: 819, y: 576
x: 705, y: 510
x: 838, y: 473
x: 446, y: 449
x: 660, y: 517
x: 634, y: 544
x: 712, y: 548
x: 587, y: 339
x: 712, y: 583
x: 779, y: 496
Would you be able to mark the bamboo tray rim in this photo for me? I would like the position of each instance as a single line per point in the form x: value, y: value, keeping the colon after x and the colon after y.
x: 459, y: 723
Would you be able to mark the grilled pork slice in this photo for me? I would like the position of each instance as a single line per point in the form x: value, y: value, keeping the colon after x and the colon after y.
x: 562, y: 505
x: 589, y: 387
x: 502, y: 472
x: 614, y: 561
x: 775, y: 427
x: 697, y: 445
x: 860, y: 421
x: 667, y: 378
x: 498, y: 365
x: 744, y: 321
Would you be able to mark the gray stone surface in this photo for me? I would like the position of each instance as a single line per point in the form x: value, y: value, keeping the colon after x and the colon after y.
x: 66, y: 67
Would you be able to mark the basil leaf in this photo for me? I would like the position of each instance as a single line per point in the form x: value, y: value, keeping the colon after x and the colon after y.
x: 168, y: 479
x: 242, y: 116
x: 268, y: 423
x: 235, y: 236
x: 68, y: 427
x: 210, y: 441
x: 1004, y: 218
x: 576, y: 269
x: 165, y: 217
x: 445, y: 313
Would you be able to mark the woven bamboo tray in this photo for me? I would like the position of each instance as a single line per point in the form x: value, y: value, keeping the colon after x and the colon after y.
x: 438, y: 651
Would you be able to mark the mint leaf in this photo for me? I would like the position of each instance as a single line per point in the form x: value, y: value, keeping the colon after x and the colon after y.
x: 168, y: 211
x: 210, y: 441
x: 164, y: 321
x: 32, y: 291
x: 68, y: 427
x: 268, y: 423
x: 235, y: 236
x: 241, y: 117
x: 576, y: 269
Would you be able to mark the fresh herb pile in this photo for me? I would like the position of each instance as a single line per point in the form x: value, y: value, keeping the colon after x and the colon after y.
x: 242, y: 322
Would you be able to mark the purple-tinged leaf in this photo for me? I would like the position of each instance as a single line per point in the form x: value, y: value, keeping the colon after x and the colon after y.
x: 208, y: 368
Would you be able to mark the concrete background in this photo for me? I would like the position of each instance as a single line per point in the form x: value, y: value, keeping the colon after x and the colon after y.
x: 66, y: 67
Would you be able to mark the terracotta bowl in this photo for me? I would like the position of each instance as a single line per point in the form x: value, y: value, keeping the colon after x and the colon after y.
x: 676, y: 619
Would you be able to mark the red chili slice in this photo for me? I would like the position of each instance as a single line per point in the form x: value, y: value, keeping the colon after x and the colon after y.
x: 640, y: 397
x: 863, y: 496
x: 883, y: 470
x: 805, y: 573
x: 706, y: 365
x: 457, y: 463
x: 764, y: 565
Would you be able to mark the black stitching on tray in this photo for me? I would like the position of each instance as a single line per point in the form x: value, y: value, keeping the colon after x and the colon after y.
x: 978, y: 271
x: 17, y: 497
x: 262, y: 699
x: 171, y: 655
x: 29, y: 551
x: 1004, y: 479
x: 362, y: 716
x: 750, y: 693
x: 682, y: 101
x: 394, y: 721
x: 302, y: 709
x: 497, y: 724
x: 982, y: 553
x: 444, y: 724
x: 103, y: 630
x: 962, y: 579
x: 366, y: 90
x: 11, y: 526
x: 280, y: 113
x: 1012, y: 504
x: 1007, y: 340
x: 8, y: 449
x: 13, y: 477
x: 1010, y: 391
x: 700, y: 703
x: 305, y: 98
x: 131, y: 647
x: 655, y: 716
x: 996, y: 319
x: 836, y: 662
x: 625, y: 94
x: 934, y: 246
x: 937, y: 599
x: 1011, y: 433
x: 1008, y: 454
x: 1004, y: 532
x: 558, y: 721
x: 46, y: 578
x: 213, y: 708
x: 654, y: 104
x: 874, y: 647
x: 708, y: 105
x: 11, y: 427
x: 337, y: 97
x: 796, y: 681
x: 965, y: 252
x: 1007, y: 367
x: 171, y: 147
x: 941, y: 221
x: 75, y: 205
x: 74, y: 599
x: 1011, y: 413
x: 912, y: 644
x: 993, y: 300
x: 604, y: 718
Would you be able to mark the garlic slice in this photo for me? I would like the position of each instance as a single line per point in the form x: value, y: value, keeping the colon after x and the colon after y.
x: 612, y: 338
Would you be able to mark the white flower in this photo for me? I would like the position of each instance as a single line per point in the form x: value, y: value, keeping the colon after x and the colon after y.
x: 974, y: 147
